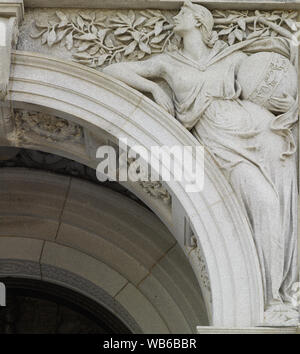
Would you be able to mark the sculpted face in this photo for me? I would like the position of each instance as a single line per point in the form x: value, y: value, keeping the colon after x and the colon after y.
x: 184, y: 21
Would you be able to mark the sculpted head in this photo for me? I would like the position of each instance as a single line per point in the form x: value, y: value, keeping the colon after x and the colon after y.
x: 193, y: 16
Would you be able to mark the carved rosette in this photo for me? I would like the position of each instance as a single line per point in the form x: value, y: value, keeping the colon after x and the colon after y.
x: 48, y: 127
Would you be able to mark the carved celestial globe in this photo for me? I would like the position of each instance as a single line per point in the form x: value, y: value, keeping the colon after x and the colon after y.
x: 267, y: 75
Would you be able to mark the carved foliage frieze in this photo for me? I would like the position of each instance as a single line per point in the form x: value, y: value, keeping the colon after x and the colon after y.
x: 100, y: 37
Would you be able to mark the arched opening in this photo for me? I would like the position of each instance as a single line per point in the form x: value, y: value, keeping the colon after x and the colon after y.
x: 99, y: 243
x: 39, y: 307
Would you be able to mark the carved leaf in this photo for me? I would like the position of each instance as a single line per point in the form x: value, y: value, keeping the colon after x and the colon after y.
x: 100, y: 19
x: 69, y: 41
x: 238, y: 34
x: 125, y: 19
x: 109, y: 41
x: 61, y: 16
x: 101, y: 59
x: 45, y: 37
x: 63, y: 19
x: 102, y: 33
x: 84, y: 47
x: 94, y: 49
x: 140, y: 55
x: 51, y: 37
x: 139, y: 21
x: 131, y: 16
x: 158, y: 28
x: 226, y: 31
x: 61, y: 35
x: 118, y: 57
x: 146, y: 14
x: 82, y: 56
x: 130, y: 48
x: 231, y: 38
x: 159, y: 38
x: 87, y: 36
x: 219, y: 14
x: 136, y: 36
x: 242, y: 24
x: 80, y: 22
x: 88, y: 17
x: 125, y: 38
x: 84, y: 61
x: 145, y: 47
x: 94, y: 29
x: 121, y: 30
x: 151, y: 21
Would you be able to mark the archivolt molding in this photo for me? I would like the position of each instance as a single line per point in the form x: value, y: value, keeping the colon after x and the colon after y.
x: 108, y: 110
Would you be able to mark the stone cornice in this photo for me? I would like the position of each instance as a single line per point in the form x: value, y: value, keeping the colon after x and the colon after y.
x: 12, y: 8
x: 165, y: 4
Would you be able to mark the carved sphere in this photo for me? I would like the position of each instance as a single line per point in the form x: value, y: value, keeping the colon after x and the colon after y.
x: 265, y: 75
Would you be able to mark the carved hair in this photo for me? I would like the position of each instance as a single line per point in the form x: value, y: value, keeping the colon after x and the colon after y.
x: 205, y: 22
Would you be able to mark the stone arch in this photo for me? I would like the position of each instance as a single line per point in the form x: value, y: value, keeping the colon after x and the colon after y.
x: 105, y: 107
x: 95, y: 241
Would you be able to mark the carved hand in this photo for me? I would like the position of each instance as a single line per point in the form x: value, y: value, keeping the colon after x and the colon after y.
x: 282, y: 104
x: 163, y: 100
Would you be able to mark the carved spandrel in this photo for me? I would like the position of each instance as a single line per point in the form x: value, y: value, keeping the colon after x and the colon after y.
x: 244, y: 112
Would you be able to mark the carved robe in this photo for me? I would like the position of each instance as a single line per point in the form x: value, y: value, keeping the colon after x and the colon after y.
x: 255, y: 149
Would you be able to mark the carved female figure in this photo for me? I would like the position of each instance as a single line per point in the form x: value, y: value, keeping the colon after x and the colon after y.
x: 252, y: 143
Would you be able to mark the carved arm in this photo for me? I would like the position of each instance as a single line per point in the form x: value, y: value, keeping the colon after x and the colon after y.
x: 137, y: 75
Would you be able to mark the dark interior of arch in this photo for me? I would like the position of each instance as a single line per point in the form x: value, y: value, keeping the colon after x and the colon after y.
x: 39, y: 307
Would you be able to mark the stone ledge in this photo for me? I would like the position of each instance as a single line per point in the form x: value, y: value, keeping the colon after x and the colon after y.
x: 12, y: 8
x: 166, y: 4
x: 248, y: 330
